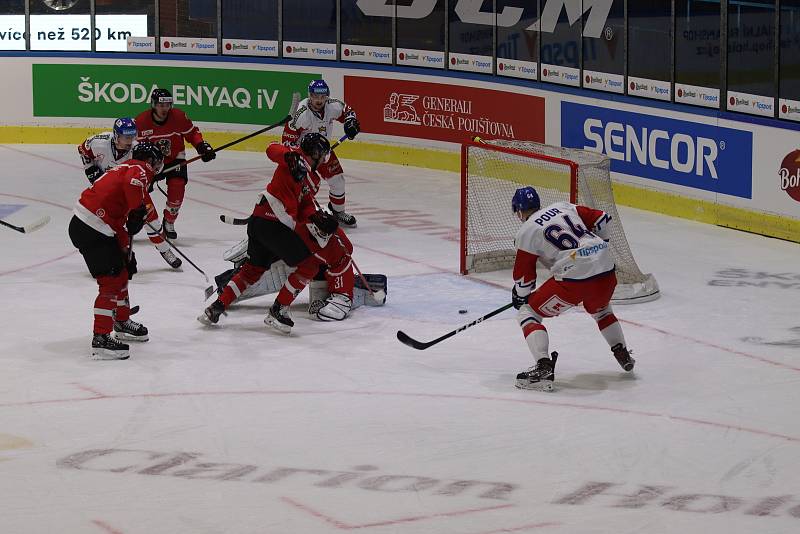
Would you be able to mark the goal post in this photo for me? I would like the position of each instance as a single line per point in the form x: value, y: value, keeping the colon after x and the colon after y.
x: 491, y: 171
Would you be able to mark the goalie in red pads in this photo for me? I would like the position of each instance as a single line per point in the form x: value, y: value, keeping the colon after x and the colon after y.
x: 286, y: 225
x: 572, y: 242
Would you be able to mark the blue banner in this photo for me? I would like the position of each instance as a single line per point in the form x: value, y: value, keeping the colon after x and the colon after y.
x: 690, y: 154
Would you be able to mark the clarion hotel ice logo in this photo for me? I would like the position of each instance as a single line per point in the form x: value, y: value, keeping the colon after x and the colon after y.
x: 789, y: 174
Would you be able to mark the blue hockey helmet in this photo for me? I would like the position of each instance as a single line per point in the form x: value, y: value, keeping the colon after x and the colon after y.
x: 319, y: 87
x: 124, y: 133
x: 525, y: 198
x: 124, y: 126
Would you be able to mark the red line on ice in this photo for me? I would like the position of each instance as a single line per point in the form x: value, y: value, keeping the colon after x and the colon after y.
x: 346, y: 526
x: 525, y: 401
x: 105, y: 526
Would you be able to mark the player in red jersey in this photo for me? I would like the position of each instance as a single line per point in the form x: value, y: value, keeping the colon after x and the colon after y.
x: 99, y: 229
x: 167, y: 127
x: 286, y: 225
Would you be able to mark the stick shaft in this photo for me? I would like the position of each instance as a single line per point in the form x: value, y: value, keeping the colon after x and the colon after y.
x: 176, y: 249
x: 422, y: 345
x: 283, y: 121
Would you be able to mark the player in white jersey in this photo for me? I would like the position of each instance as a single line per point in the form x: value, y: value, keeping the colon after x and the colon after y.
x: 317, y: 114
x: 572, y: 242
x: 108, y: 149
x: 105, y: 151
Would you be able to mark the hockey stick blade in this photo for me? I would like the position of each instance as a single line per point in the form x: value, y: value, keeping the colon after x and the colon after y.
x: 209, y: 291
x: 230, y: 219
x: 405, y: 339
x: 28, y: 228
x: 420, y: 345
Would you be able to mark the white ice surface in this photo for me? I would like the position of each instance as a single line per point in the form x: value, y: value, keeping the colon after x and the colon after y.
x: 200, y: 431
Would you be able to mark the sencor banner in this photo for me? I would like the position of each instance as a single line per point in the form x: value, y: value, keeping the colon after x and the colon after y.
x: 701, y: 156
x: 443, y: 112
x: 214, y: 95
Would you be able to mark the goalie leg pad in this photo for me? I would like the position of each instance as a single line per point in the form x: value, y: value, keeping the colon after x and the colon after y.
x: 337, y: 307
x: 378, y: 283
x: 318, y: 293
x: 270, y: 282
x: 237, y: 252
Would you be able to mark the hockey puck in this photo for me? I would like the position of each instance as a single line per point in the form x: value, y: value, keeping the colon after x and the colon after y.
x: 462, y: 311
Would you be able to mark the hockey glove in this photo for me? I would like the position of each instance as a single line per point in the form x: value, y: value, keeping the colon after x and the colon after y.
x: 351, y: 127
x: 206, y: 152
x: 296, y: 167
x: 93, y: 173
x: 517, y: 300
x: 135, y: 221
x: 130, y: 264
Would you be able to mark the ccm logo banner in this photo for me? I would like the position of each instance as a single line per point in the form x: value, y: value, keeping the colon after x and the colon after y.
x: 679, y: 152
x: 472, y: 12
x: 442, y: 112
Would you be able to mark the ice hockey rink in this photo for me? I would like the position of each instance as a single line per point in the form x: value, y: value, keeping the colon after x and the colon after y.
x: 339, y: 427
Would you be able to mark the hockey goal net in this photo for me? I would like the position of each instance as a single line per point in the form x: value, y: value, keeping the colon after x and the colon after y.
x: 490, y: 173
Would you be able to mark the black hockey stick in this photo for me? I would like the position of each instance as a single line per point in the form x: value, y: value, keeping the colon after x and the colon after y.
x: 210, y: 289
x: 339, y: 141
x: 28, y: 228
x: 281, y: 122
x: 420, y: 345
x: 230, y: 219
x: 287, y: 118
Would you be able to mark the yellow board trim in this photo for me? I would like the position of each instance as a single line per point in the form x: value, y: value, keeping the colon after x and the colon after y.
x: 636, y: 197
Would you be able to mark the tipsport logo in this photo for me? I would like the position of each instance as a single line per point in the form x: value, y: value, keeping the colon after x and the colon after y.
x: 679, y: 152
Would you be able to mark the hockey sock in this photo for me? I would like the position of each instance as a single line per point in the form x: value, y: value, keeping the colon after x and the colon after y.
x: 336, y: 191
x: 337, y: 203
x: 106, y: 302
x: 158, y: 241
x: 537, y: 339
x: 296, y: 282
x: 176, y: 189
x: 609, y: 326
x: 613, y: 333
x: 249, y: 274
x: 123, y: 310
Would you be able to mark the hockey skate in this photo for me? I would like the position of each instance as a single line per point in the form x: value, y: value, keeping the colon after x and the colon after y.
x: 278, y: 318
x: 337, y: 308
x: 105, y: 347
x: 168, y: 229
x: 623, y: 357
x: 344, y: 218
x: 169, y: 257
x: 539, y: 377
x: 130, y: 331
x: 210, y: 315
